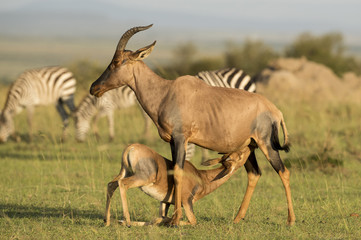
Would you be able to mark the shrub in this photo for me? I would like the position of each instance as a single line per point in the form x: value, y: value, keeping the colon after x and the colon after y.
x: 252, y: 56
x: 328, y: 49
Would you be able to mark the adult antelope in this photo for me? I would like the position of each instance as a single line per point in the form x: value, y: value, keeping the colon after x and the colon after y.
x: 188, y: 110
x: 144, y: 168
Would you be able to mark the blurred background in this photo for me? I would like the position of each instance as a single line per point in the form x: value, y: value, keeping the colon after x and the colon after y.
x: 191, y: 35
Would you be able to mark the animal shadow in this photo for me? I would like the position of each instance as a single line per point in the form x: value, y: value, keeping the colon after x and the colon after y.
x: 14, y: 211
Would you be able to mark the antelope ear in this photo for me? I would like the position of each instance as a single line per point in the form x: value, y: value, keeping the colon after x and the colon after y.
x: 142, y: 53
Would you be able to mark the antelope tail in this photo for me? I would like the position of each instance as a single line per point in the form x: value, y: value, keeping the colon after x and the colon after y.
x: 274, y: 137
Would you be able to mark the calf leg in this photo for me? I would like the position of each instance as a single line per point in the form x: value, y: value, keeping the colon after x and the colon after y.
x: 112, y: 186
x: 253, y: 173
x: 126, y: 183
x: 188, y: 208
x: 163, y: 209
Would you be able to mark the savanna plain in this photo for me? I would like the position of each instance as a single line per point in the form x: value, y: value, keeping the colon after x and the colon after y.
x: 57, y: 190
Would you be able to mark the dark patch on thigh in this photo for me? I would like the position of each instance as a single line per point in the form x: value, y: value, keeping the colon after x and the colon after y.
x: 147, y: 167
x: 262, y: 126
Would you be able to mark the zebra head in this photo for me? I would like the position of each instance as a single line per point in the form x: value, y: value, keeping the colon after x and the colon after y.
x: 82, y: 127
x: 6, y: 126
x: 120, y: 70
x: 83, y: 116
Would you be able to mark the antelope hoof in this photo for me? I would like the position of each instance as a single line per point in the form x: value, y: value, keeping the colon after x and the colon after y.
x: 237, y: 220
x: 124, y: 223
x: 106, y: 222
x: 291, y: 223
x: 172, y: 226
x: 291, y: 219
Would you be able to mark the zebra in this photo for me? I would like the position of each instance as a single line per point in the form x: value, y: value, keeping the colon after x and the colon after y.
x: 229, y: 78
x: 91, y: 107
x: 43, y: 86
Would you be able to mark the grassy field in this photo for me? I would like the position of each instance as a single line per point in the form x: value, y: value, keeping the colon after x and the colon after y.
x: 54, y: 190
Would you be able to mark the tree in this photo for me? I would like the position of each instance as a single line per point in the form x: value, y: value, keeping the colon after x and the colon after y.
x: 252, y: 56
x: 184, y: 55
x: 328, y: 49
x: 186, y: 63
x: 206, y: 64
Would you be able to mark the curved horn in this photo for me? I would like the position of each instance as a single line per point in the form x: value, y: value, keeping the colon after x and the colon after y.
x: 128, y: 34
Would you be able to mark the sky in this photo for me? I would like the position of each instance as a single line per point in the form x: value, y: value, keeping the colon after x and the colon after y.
x: 275, y: 19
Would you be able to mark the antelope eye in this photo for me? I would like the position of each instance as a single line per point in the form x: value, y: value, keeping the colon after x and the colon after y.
x: 116, y: 62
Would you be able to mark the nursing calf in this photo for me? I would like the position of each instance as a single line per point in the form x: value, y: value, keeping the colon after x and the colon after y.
x: 153, y: 174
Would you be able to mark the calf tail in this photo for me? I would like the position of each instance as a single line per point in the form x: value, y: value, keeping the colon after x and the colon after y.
x: 126, y: 164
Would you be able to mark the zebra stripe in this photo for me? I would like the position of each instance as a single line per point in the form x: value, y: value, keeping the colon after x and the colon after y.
x: 34, y: 87
x: 229, y: 78
x: 92, y: 107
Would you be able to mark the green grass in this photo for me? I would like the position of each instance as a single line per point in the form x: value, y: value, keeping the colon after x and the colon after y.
x: 54, y: 190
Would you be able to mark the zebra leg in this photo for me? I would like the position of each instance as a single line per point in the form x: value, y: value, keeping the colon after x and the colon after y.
x: 190, y: 151
x: 191, y: 148
x: 30, y: 114
x: 95, y: 127
x: 205, y: 154
x: 64, y: 116
x: 70, y: 103
x: 111, y: 125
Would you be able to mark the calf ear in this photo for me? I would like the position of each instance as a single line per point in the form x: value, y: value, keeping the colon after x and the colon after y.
x: 142, y: 53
